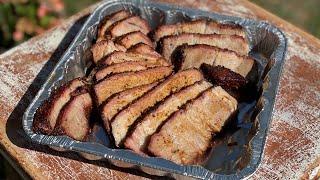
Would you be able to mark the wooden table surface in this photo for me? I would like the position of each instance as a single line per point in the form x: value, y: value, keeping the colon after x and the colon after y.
x: 293, y: 143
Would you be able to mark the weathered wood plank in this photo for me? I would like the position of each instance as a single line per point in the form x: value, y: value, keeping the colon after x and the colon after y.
x: 293, y: 143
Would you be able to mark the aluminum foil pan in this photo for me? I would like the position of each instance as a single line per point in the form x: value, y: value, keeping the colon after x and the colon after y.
x: 236, y: 156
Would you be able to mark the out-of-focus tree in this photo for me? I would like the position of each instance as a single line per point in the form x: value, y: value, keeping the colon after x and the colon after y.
x: 22, y: 19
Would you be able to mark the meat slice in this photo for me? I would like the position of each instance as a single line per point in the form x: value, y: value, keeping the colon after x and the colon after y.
x: 109, y: 20
x: 123, y: 81
x: 125, y: 67
x: 139, y: 136
x: 187, y: 134
x: 188, y: 56
x: 223, y: 77
x: 74, y: 117
x: 120, y: 57
x: 130, y: 24
x: 103, y: 48
x: 142, y: 48
x: 46, y: 116
x: 133, y: 38
x: 231, y: 42
x: 125, y: 118
x: 199, y: 27
x: 214, y: 27
x: 117, y: 102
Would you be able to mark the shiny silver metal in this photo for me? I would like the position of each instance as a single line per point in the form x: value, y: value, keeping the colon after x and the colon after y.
x: 268, y: 46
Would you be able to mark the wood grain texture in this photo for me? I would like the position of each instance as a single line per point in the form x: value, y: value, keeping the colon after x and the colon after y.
x: 293, y: 144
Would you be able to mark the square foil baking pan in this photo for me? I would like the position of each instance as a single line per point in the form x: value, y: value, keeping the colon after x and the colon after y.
x: 225, y: 161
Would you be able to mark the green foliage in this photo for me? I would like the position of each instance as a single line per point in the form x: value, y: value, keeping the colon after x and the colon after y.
x: 7, y: 21
x: 21, y: 20
x: 304, y: 14
x: 10, y: 14
x: 45, y: 21
x: 72, y: 8
x: 27, y: 10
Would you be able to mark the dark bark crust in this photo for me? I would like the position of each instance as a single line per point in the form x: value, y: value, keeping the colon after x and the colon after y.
x: 59, y: 130
x: 146, y: 27
x: 143, y: 39
x: 40, y: 123
x: 103, y: 22
x: 223, y: 77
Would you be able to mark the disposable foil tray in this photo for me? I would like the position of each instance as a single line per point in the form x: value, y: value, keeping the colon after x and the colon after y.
x: 225, y: 161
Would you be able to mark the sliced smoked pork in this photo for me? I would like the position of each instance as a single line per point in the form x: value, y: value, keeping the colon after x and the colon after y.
x: 122, y: 121
x: 123, y: 81
x: 187, y: 134
x: 47, y: 114
x: 142, y: 48
x: 168, y: 44
x: 73, y: 119
x: 130, y: 66
x: 120, y: 57
x: 133, y: 38
x: 108, y: 21
x: 128, y: 25
x: 188, y: 56
x: 199, y: 27
x: 140, y: 134
x: 117, y: 102
x: 104, y: 48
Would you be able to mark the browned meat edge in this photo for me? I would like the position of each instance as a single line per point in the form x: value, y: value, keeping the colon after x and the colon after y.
x: 119, y: 101
x: 123, y: 81
x: 127, y: 25
x: 178, y: 28
x: 109, y: 20
x: 125, y: 118
x: 140, y: 132
x: 142, y: 48
x: 120, y: 57
x: 104, y: 48
x: 187, y: 56
x: 41, y: 122
x: 223, y: 77
x: 236, y: 85
x: 133, y: 38
x: 200, y: 26
x: 124, y: 67
x: 168, y: 44
x: 187, y: 134
x: 78, y: 108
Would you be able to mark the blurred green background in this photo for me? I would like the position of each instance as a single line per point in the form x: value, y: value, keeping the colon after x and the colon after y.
x: 304, y: 14
x: 22, y: 19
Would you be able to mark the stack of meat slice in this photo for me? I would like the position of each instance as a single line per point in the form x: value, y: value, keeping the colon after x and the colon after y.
x: 119, y: 32
x: 188, y: 56
x: 190, y: 44
x: 121, y: 123
x: 187, y: 134
x: 199, y: 26
x: 155, y: 103
x: 122, y: 81
x: 66, y: 112
x: 148, y: 125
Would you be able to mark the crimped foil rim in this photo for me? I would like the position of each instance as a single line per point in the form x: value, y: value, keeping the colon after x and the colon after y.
x: 264, y: 117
